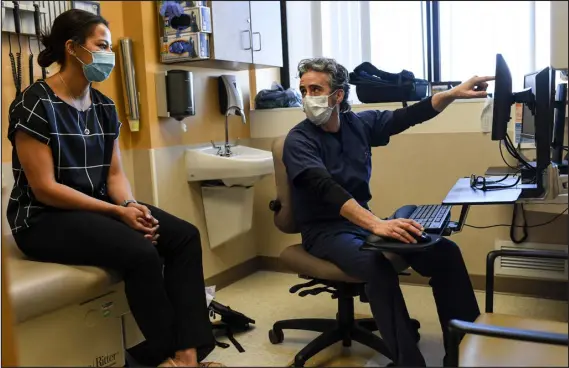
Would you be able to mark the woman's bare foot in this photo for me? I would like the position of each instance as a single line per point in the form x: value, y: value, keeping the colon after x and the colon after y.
x: 186, y: 358
x: 211, y: 364
x: 168, y: 363
x: 177, y: 363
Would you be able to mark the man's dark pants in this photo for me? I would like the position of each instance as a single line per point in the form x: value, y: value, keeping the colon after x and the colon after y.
x: 443, y: 264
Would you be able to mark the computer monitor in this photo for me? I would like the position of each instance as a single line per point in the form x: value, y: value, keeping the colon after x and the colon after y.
x: 557, y: 144
x: 538, y: 101
x: 502, y: 99
x: 543, y: 120
x: 528, y: 119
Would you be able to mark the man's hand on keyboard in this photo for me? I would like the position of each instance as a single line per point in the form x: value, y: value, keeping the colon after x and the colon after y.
x: 399, y: 229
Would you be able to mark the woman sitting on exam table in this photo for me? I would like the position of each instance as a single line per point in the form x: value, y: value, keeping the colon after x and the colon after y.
x: 72, y: 203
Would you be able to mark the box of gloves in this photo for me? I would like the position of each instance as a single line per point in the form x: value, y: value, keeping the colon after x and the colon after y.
x: 179, y: 18
x: 187, y: 47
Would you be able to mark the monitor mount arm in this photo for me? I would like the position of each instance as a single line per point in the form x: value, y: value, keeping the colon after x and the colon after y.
x: 525, y: 97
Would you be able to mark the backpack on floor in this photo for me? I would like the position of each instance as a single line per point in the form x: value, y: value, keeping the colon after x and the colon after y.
x: 231, y: 322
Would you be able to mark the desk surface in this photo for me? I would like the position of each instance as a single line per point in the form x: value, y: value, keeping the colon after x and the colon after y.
x: 461, y: 193
x: 498, y: 170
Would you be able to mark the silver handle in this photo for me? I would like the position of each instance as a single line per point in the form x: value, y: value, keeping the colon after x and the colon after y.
x: 249, y: 32
x: 260, y: 41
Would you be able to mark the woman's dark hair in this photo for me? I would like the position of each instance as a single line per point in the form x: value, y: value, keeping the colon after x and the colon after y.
x: 74, y: 24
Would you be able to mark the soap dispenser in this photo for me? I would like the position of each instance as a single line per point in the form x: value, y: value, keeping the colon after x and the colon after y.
x: 175, y: 95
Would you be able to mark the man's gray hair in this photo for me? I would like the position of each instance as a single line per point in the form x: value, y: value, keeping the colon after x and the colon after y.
x: 338, y: 76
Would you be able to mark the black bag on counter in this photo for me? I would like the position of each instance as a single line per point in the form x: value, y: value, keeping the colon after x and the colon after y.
x: 374, y: 85
x: 277, y: 97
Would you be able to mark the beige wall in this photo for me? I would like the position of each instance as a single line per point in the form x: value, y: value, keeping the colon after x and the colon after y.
x: 158, y: 160
x: 417, y: 167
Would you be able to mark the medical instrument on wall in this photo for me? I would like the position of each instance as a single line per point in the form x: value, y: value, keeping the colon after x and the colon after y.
x: 13, y: 63
x: 37, y: 28
x: 30, y: 61
x: 27, y: 20
x: 17, y: 63
x: 44, y: 15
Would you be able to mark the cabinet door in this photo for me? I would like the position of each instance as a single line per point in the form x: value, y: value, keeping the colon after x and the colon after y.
x: 231, y: 31
x: 266, y: 33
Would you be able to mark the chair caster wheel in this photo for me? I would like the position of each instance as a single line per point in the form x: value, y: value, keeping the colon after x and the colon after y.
x: 276, y: 336
x: 297, y: 363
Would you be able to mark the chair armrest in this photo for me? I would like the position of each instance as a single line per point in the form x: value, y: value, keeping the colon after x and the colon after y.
x: 458, y: 328
x: 528, y: 253
x: 374, y: 242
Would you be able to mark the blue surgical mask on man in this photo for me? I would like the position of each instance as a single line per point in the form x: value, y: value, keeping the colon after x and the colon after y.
x: 101, y: 66
x: 317, y: 109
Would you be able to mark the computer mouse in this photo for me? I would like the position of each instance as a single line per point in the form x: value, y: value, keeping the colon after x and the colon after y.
x: 424, y: 238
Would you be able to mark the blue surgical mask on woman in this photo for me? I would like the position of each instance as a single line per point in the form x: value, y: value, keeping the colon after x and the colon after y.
x: 101, y: 66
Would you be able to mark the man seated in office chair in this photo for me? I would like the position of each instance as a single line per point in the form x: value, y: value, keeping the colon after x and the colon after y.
x: 328, y: 161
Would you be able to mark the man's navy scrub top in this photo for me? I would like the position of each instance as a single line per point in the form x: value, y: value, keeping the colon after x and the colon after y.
x: 346, y: 155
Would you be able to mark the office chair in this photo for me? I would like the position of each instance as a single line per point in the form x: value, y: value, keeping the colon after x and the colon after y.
x: 323, y: 276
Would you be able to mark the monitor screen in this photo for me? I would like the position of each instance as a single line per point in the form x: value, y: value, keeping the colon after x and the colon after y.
x: 502, y: 99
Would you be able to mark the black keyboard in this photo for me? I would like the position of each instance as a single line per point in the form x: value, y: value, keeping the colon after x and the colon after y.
x: 434, y: 218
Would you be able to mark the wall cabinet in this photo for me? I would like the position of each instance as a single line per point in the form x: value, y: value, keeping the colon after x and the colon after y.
x: 247, y: 32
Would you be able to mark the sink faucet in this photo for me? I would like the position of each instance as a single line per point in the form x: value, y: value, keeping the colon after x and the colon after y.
x: 233, y: 110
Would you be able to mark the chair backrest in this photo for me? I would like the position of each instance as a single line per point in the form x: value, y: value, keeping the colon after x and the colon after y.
x: 283, y: 218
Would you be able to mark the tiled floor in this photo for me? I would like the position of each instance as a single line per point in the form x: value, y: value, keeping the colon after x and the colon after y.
x: 264, y: 297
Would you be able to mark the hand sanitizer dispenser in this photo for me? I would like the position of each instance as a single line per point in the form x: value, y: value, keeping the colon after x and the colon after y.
x: 175, y: 95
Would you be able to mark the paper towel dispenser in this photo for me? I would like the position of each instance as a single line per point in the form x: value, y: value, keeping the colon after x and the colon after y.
x: 230, y: 98
x: 175, y: 94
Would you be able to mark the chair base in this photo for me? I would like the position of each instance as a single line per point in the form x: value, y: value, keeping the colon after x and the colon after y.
x: 344, y: 328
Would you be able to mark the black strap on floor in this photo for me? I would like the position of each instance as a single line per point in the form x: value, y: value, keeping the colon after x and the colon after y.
x: 229, y: 334
x: 232, y: 339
